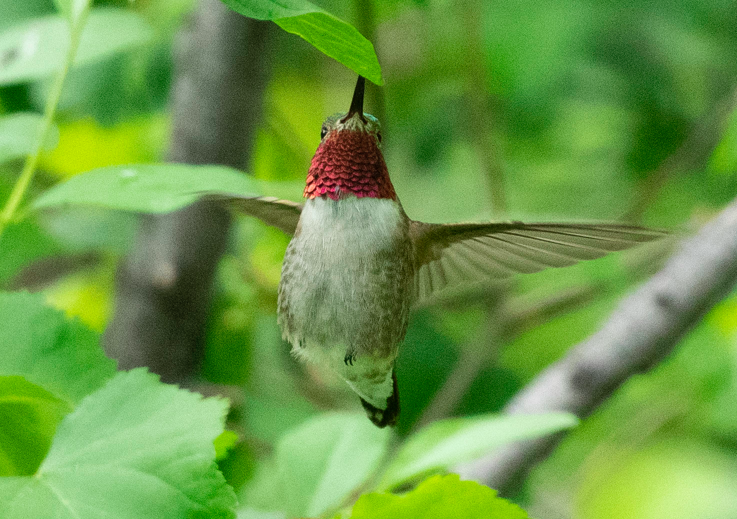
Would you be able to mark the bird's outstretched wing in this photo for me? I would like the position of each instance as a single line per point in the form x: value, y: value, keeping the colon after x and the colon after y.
x: 282, y: 214
x: 448, y: 254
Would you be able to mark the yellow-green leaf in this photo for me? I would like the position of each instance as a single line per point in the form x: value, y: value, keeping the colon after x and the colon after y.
x: 439, y: 497
x: 28, y: 418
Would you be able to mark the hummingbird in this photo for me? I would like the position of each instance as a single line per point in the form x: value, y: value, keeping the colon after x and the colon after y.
x: 357, y: 263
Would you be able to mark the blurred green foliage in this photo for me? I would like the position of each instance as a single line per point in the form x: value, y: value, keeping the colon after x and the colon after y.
x: 579, y: 109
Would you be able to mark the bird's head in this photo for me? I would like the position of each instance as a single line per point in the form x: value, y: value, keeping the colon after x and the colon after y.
x: 348, y: 161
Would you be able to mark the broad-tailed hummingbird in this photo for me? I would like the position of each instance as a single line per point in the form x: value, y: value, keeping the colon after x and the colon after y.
x: 357, y: 263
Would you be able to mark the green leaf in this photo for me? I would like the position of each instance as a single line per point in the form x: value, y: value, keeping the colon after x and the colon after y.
x: 443, y: 444
x: 36, y: 49
x: 265, y: 490
x: 18, y: 135
x: 326, y: 459
x: 337, y: 39
x: 41, y: 345
x: 28, y: 419
x: 438, y: 498
x: 136, y: 448
x: 332, y: 36
x: 153, y: 188
x: 271, y: 9
x: 320, y: 464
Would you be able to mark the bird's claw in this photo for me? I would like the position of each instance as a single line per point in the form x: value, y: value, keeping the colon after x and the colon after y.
x: 349, y: 358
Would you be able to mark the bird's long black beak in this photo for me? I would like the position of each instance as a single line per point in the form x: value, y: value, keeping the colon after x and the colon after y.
x: 357, y: 101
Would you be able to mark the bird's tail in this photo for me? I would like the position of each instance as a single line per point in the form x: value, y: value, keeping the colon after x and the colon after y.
x: 381, y: 417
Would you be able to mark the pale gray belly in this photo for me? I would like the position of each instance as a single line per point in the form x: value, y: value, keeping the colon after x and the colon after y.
x: 332, y: 298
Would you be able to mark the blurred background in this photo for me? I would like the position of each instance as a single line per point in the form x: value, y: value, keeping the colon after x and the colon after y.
x: 550, y: 111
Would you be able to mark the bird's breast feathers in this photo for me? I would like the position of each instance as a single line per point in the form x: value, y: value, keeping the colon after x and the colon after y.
x: 346, y: 277
x: 349, y: 229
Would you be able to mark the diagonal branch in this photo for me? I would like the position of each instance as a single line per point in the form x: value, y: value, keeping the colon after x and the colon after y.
x: 642, y: 330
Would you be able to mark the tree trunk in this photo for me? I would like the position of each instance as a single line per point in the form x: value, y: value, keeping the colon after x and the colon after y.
x: 164, y: 286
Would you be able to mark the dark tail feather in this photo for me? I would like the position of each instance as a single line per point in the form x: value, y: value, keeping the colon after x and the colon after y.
x: 388, y: 416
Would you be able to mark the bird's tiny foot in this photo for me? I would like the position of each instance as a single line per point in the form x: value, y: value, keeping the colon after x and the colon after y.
x: 349, y: 358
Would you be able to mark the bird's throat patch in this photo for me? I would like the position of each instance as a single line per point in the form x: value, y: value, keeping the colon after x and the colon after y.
x: 349, y: 162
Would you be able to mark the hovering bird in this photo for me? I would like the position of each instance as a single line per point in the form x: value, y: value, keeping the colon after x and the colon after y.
x: 356, y: 262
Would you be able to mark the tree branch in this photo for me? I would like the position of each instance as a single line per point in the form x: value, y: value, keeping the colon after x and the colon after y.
x: 481, y: 110
x: 164, y: 286
x: 642, y: 330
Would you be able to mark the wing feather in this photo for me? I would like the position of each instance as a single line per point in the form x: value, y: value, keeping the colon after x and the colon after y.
x: 495, y: 250
x: 455, y: 269
x: 481, y: 262
x: 282, y: 214
x: 437, y: 274
x: 535, y: 254
x: 553, y: 245
x: 424, y: 285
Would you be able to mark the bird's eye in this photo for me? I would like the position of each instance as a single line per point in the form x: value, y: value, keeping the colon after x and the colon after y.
x: 323, y: 132
x: 378, y: 136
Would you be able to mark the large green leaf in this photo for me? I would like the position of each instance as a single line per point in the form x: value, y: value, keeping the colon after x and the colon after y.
x: 332, y: 36
x: 443, y: 444
x: 41, y: 345
x: 319, y: 465
x: 439, y: 497
x: 154, y: 188
x: 19, y: 133
x: 36, y: 49
x: 28, y: 419
x: 134, y: 449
